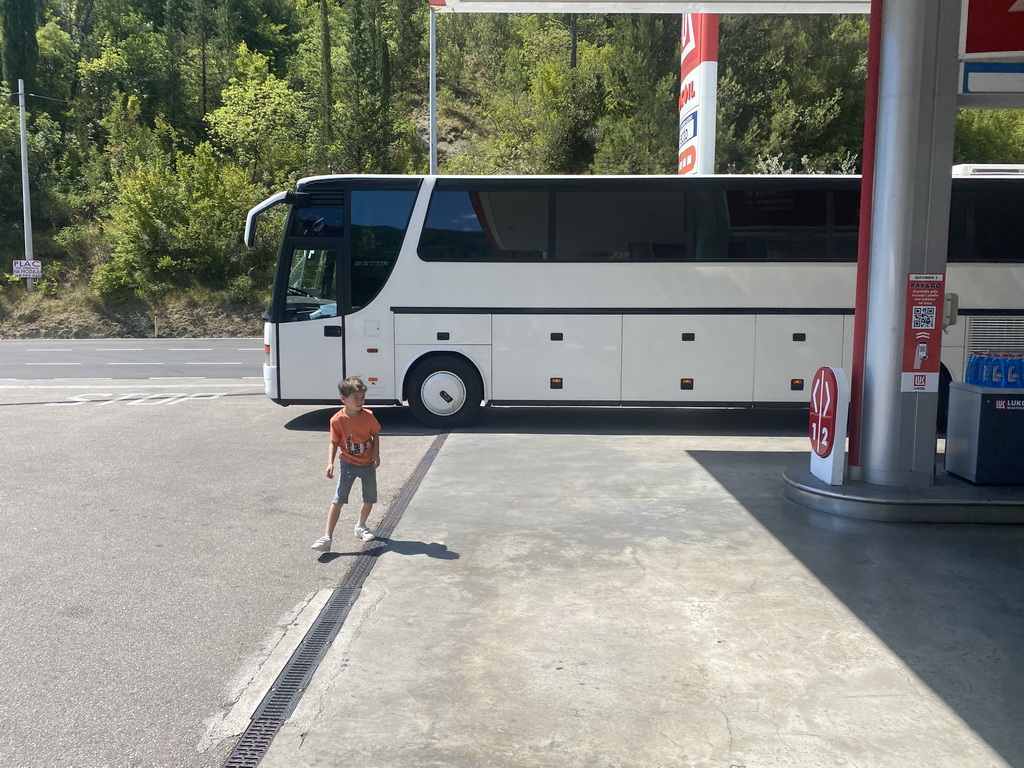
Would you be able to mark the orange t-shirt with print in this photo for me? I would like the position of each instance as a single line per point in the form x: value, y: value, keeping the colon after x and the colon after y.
x: 354, y: 436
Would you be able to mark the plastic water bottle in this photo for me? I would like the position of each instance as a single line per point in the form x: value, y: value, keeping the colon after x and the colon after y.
x: 986, y: 371
x: 1014, y: 372
x: 973, y: 375
x: 998, y: 371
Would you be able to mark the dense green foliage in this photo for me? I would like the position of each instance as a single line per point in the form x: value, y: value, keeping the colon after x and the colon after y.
x: 155, y: 124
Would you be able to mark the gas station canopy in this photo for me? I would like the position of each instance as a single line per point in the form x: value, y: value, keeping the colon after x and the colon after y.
x: 649, y: 6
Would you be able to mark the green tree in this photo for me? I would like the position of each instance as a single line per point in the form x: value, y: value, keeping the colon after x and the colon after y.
x: 536, y: 111
x: 174, y: 223
x: 263, y: 124
x: 365, y: 132
x: 20, y: 51
x: 131, y: 60
x: 56, y: 67
x: 639, y: 131
x: 791, y: 91
x: 406, y: 29
x: 989, y: 136
x: 10, y: 168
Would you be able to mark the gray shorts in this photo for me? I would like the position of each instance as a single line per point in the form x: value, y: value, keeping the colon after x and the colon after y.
x: 347, y: 474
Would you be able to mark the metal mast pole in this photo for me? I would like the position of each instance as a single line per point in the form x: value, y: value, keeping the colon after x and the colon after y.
x: 26, y: 202
x: 909, y: 230
x: 433, y: 92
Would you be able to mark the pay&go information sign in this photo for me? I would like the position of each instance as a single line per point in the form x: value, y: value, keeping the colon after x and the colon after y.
x: 922, y: 334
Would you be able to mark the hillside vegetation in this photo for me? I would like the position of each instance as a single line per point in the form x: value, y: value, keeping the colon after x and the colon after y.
x: 154, y: 125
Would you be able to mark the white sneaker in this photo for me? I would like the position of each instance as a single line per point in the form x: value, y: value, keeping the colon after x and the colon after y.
x: 364, y: 533
x: 323, y: 544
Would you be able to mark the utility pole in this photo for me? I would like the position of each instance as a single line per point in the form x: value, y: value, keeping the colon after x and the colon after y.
x: 25, y: 199
x: 433, y: 92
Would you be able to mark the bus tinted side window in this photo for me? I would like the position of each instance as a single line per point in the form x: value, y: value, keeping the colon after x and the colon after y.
x: 961, y: 224
x: 998, y: 226
x: 379, y: 221
x: 845, y: 225
x: 486, y: 225
x: 318, y: 221
x: 777, y: 225
x: 622, y: 225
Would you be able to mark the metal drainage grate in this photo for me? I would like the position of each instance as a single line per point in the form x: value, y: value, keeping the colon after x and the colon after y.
x: 253, y: 745
x: 291, y: 683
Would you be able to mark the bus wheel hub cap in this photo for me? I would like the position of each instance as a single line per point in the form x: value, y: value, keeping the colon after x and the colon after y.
x: 443, y: 393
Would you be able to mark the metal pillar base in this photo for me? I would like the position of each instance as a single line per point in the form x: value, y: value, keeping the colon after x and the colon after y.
x: 949, y: 500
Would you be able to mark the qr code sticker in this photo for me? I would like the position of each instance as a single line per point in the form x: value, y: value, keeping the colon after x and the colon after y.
x: 924, y: 317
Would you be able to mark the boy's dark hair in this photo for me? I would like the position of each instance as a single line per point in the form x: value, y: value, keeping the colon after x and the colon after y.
x: 350, y: 386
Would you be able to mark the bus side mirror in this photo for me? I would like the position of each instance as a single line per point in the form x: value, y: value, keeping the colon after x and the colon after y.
x: 254, y: 213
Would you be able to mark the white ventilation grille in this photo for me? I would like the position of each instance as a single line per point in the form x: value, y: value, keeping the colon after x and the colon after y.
x: 992, y: 335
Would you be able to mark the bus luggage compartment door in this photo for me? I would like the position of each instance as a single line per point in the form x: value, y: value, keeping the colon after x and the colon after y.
x: 792, y: 347
x: 557, y: 358
x: 684, y: 358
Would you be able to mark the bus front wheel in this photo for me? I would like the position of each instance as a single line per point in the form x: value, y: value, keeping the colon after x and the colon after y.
x: 444, y: 391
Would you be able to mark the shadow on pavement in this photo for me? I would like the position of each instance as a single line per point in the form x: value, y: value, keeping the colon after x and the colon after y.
x: 755, y: 422
x: 947, y: 599
x: 434, y: 549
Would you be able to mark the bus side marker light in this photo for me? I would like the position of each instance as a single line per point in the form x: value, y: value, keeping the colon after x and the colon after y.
x: 796, y: 384
x: 689, y: 336
x: 686, y: 383
x: 799, y: 337
x: 372, y: 351
x: 556, y: 383
x: 443, y: 336
x: 556, y: 337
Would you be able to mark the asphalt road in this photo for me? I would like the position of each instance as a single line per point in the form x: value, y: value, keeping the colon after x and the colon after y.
x: 155, y: 555
x: 131, y: 358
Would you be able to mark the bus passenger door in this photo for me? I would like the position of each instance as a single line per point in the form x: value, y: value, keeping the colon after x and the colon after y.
x: 377, y: 225
x: 310, y: 334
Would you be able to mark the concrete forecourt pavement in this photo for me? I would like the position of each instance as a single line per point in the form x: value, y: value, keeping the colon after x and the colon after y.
x: 631, y: 588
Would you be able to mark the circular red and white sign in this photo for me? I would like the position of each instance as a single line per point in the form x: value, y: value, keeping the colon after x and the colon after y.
x: 824, y: 401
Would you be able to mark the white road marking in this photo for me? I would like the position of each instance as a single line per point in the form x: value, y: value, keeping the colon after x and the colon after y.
x: 51, y: 363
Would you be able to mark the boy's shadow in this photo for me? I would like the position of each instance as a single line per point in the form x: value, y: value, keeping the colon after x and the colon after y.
x: 434, y: 549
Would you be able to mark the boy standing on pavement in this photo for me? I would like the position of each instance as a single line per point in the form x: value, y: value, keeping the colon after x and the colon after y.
x: 356, y: 433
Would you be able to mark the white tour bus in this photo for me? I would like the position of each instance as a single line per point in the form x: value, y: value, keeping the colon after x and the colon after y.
x: 448, y: 292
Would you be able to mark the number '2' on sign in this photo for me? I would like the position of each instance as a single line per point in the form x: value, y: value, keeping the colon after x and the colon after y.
x: 824, y: 401
x: 830, y: 399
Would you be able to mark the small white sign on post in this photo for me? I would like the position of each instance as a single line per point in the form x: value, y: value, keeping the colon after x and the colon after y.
x: 28, y: 268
